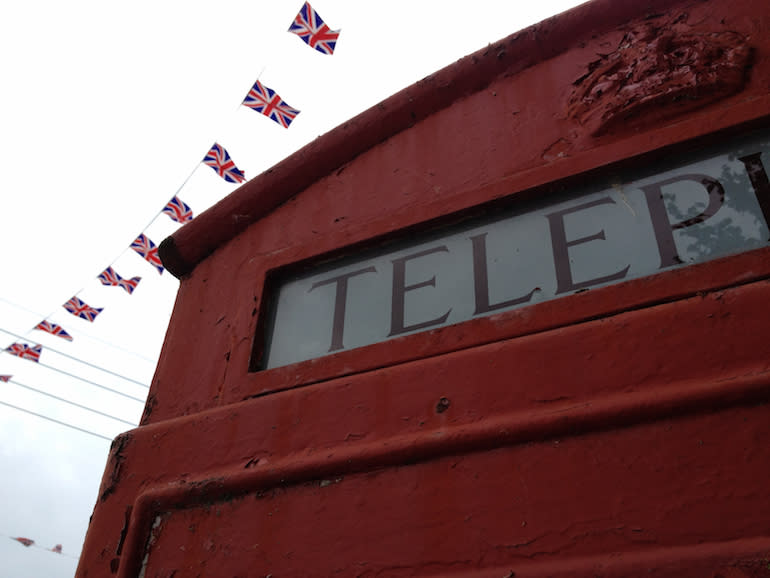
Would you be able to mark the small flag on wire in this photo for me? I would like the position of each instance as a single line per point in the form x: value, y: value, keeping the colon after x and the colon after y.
x: 81, y: 309
x: 110, y: 277
x: 149, y: 252
x: 53, y: 329
x: 5, y: 378
x: 178, y: 210
x: 26, y: 541
x: 265, y: 100
x: 25, y: 351
x: 310, y: 28
x: 56, y: 549
x: 218, y: 159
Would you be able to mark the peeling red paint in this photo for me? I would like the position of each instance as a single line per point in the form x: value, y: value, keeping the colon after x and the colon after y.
x: 660, y: 68
x: 614, y: 432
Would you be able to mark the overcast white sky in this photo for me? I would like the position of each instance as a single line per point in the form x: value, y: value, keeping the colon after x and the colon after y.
x: 106, y: 110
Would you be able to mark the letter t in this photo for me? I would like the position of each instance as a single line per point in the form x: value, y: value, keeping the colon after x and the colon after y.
x: 340, y: 301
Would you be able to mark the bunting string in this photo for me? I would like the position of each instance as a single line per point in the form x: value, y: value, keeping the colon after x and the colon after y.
x: 25, y: 351
x: 8, y: 379
x: 84, y: 362
x: 65, y: 424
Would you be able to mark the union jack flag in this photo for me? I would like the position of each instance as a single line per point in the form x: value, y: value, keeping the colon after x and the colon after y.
x: 110, y: 277
x: 310, y: 28
x: 80, y: 309
x: 147, y: 249
x: 218, y: 159
x: 25, y: 541
x: 178, y: 210
x: 265, y: 100
x: 53, y: 329
x: 56, y: 549
x: 25, y: 351
x: 5, y: 378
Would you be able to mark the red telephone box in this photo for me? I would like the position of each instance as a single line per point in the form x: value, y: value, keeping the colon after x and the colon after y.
x: 512, y: 321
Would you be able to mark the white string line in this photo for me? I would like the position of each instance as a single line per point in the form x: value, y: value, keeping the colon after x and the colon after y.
x: 70, y: 402
x: 69, y: 425
x: 78, y: 359
x: 83, y: 379
x: 155, y: 218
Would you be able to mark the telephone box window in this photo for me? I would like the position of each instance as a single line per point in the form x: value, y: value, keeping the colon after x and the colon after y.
x: 711, y: 206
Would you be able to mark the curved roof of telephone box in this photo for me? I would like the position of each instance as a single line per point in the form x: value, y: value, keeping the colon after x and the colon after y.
x: 192, y: 243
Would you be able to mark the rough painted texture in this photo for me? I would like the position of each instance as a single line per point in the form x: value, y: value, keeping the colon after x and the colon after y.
x: 616, y: 432
x: 659, y: 69
x: 561, y: 498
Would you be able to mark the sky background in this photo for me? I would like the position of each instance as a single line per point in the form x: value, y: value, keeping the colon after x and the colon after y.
x: 106, y: 112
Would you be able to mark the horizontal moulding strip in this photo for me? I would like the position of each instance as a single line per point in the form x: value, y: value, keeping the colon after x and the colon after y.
x: 610, y: 412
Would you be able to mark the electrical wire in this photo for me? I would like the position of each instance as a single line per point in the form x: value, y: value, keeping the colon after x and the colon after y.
x: 17, y: 336
x: 84, y: 380
x: 69, y: 425
x: 67, y: 401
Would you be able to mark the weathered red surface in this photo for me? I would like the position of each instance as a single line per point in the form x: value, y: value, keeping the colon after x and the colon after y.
x: 622, y: 431
x: 570, y: 497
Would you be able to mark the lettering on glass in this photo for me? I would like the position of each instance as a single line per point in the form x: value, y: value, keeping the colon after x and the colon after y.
x: 671, y: 217
x: 340, y: 303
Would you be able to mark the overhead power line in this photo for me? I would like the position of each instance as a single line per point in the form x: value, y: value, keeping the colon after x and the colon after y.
x: 84, y: 380
x: 69, y: 425
x: 67, y: 401
x: 17, y: 336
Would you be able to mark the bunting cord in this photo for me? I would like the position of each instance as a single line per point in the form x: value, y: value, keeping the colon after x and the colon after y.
x: 155, y: 218
x: 128, y: 248
x: 84, y: 380
x: 123, y: 252
x: 69, y: 425
x: 79, y: 291
x: 88, y: 381
x: 69, y: 402
x: 48, y: 348
x: 261, y: 72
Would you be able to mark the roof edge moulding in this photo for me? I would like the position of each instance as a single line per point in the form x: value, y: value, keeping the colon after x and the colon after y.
x: 182, y: 251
